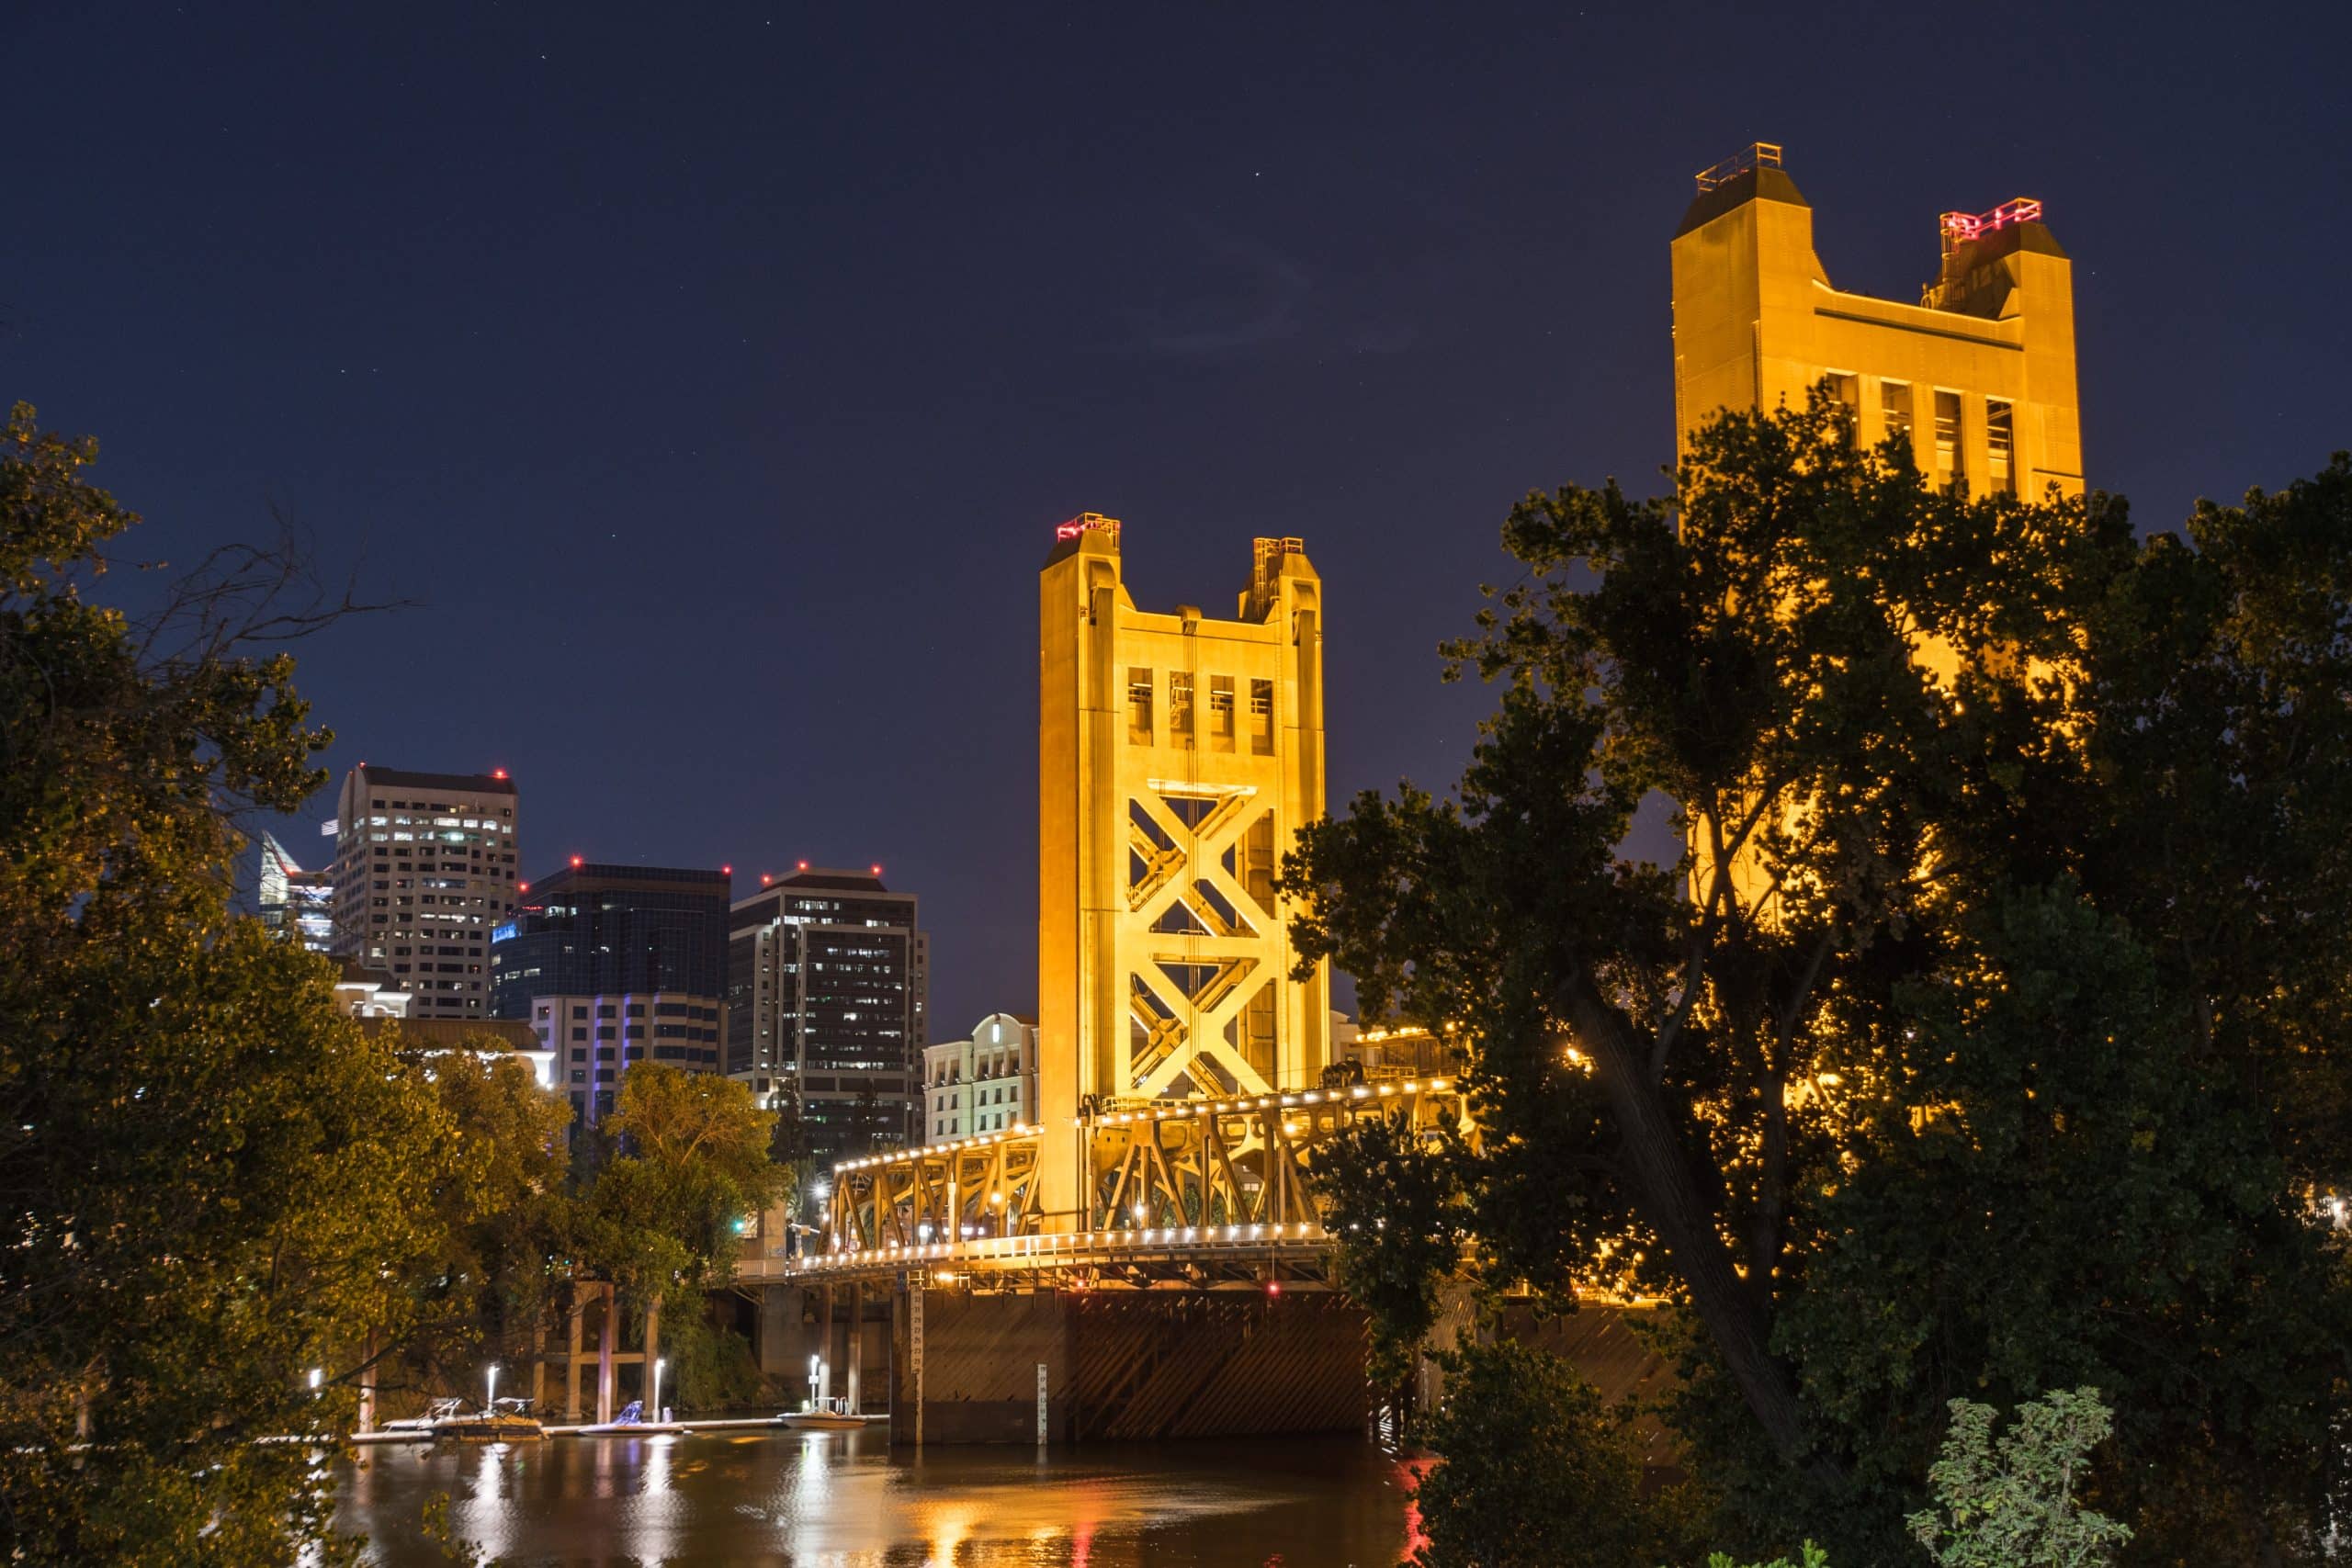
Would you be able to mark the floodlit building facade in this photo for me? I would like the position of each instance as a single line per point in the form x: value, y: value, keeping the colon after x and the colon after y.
x: 1979, y: 374
x: 424, y: 870
x: 984, y: 1084
x: 1178, y: 757
x: 828, y: 984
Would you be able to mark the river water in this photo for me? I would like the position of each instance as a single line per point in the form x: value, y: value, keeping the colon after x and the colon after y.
x: 848, y: 1500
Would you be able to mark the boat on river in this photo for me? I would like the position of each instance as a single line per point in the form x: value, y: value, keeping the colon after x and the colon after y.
x: 822, y: 1415
x: 505, y: 1421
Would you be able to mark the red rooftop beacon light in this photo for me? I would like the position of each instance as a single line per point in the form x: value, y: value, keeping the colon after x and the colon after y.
x: 575, y: 860
x: 726, y: 871
x: 804, y: 865
x: 877, y: 870
x: 498, y: 773
x: 1959, y: 228
x: 765, y: 879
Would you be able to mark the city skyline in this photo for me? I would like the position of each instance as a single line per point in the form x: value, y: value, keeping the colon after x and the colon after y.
x: 732, y: 340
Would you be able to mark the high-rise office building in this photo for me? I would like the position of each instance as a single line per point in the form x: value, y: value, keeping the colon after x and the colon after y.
x: 1978, y: 376
x: 298, y: 904
x: 827, y: 981
x: 423, y: 869
x: 612, y: 965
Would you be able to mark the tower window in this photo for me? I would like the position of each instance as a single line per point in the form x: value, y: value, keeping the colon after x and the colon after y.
x: 1180, y: 706
x: 1138, y: 705
x: 1947, y: 436
x: 1221, y: 712
x: 1895, y: 409
x: 2000, y: 448
x: 1261, y: 718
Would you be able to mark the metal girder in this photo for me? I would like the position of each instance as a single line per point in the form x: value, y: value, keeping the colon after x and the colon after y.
x: 1187, y: 1182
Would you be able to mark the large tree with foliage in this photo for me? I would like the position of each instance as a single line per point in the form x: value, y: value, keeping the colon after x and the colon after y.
x: 209, y: 1172
x: 1917, y: 743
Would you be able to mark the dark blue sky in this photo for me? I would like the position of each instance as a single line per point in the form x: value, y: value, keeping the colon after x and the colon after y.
x: 714, y: 376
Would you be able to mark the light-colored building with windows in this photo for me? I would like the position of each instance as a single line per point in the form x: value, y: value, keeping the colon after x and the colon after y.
x: 592, y: 1041
x: 424, y: 870
x: 984, y: 1084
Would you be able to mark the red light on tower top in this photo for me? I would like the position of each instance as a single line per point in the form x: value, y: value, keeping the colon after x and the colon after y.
x: 726, y: 871
x: 575, y: 860
x: 765, y: 879
x: 1959, y: 228
x: 877, y: 870
x: 498, y: 773
x: 804, y: 865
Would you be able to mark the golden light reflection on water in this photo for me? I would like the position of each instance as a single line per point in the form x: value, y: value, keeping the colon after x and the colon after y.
x: 825, y: 1500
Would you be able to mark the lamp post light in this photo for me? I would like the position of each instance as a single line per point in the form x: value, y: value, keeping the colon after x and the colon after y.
x: 492, y: 1404
x: 318, y: 1376
x: 659, y: 1363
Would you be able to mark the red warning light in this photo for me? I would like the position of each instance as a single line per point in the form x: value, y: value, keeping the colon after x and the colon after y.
x: 726, y: 871
x: 877, y: 870
x: 1274, y: 1287
x: 521, y: 887
x: 575, y: 860
x: 804, y: 865
x: 498, y: 773
x: 765, y: 879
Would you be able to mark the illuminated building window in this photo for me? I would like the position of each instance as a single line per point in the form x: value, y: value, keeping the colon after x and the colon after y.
x: 2000, y: 448
x: 1221, y: 713
x: 1947, y: 436
x: 1139, y: 705
x: 1894, y: 408
x: 1180, y: 708
x: 1261, y: 718
x: 1848, y: 389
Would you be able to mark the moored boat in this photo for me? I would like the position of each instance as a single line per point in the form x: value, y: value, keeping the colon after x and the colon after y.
x: 822, y: 1415
x: 506, y: 1421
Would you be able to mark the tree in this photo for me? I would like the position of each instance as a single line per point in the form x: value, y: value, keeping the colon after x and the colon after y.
x: 1905, y: 734
x: 1397, y: 1212
x: 208, y: 1169
x: 689, y: 1158
x: 2014, y: 1506
x: 497, y: 1186
x: 1535, y: 1472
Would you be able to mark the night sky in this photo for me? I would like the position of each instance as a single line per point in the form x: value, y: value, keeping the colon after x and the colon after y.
x: 712, y: 377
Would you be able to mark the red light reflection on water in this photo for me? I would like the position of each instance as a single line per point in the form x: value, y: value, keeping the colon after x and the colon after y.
x: 1409, y: 1475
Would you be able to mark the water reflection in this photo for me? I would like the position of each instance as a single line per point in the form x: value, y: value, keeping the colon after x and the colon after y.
x: 832, y: 1500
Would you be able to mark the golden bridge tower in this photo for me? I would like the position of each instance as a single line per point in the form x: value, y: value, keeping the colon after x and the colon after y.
x: 1178, y: 756
x: 1979, y: 376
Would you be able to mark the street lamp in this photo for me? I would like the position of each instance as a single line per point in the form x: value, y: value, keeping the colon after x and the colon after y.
x: 492, y: 1404
x: 659, y: 1362
x: 317, y: 1376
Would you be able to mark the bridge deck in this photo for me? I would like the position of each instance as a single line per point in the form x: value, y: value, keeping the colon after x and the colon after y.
x: 1297, y: 1244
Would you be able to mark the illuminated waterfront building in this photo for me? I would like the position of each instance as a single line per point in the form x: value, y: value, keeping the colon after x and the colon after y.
x: 424, y: 868
x: 984, y: 1084
x: 1979, y: 374
x: 828, y: 983
x: 1178, y: 757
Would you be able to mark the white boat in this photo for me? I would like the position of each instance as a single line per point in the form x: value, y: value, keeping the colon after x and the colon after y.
x: 440, y: 1410
x: 823, y: 1416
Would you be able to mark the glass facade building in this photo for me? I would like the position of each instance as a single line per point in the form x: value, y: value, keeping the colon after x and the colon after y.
x: 826, y: 989
x: 615, y: 965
